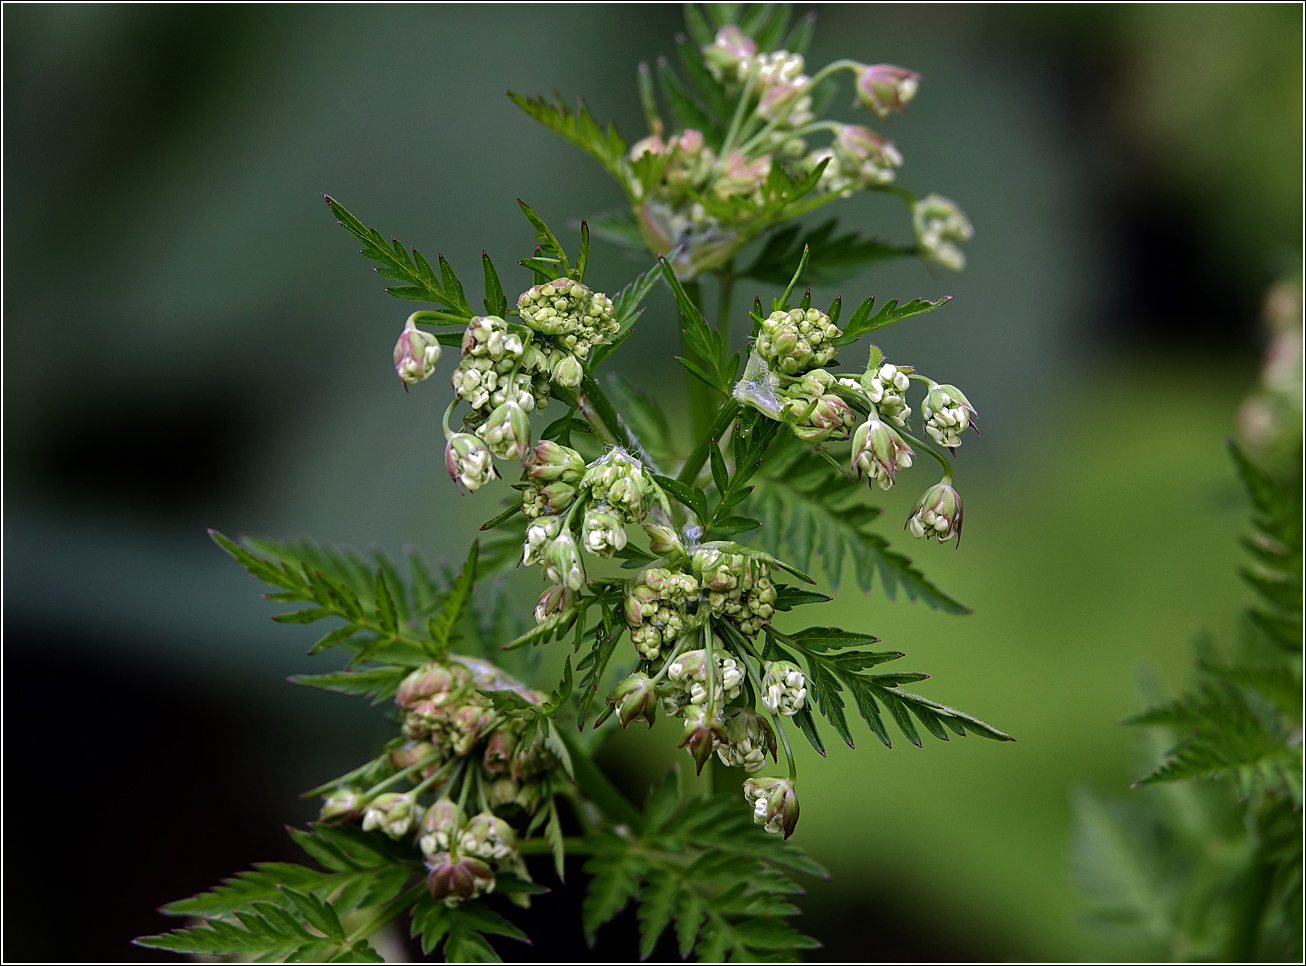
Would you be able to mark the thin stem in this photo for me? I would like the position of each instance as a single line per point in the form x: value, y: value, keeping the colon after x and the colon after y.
x: 681, y: 643
x: 387, y: 912
x: 371, y: 792
x: 789, y: 752
x: 726, y: 286
x: 745, y: 96
x: 709, y: 666
x: 447, y: 413
x: 724, y: 417
x: 947, y: 467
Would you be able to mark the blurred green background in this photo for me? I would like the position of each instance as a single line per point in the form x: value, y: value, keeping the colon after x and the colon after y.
x: 191, y: 342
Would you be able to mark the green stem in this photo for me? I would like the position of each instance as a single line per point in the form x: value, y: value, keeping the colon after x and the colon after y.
x: 789, y: 753
x: 572, y: 844
x: 447, y: 413
x: 745, y: 96
x: 593, y: 403
x: 371, y: 792
x: 726, y: 286
x: 716, y: 431
x: 947, y: 467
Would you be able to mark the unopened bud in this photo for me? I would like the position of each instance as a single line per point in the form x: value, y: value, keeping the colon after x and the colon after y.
x: 663, y: 541
x: 602, y: 533
x: 774, y: 802
x: 749, y: 739
x: 568, y: 372
x: 548, y: 461
x: 635, y: 699
x: 552, y: 602
x: 937, y: 515
x: 428, y: 681
x: 469, y: 462
x: 540, y: 534
x: 416, y: 354
x: 728, y: 54
x: 458, y: 879
x: 440, y: 827
x: 886, y: 386
x: 947, y: 414
x: 499, y: 751
x: 703, y: 730
x: 393, y: 813
x: 885, y: 88
x: 341, y: 803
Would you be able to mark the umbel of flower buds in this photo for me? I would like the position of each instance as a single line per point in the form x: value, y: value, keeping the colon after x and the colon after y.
x: 884, y: 88
x: 938, y: 222
x: 774, y: 802
x: 703, y: 730
x: 602, y: 532
x: 655, y: 609
x: 938, y: 514
x: 749, y: 739
x: 878, y: 451
x: 729, y: 55
x: 886, y: 386
x: 540, y: 534
x: 738, y: 584
x: 689, y: 672
x: 462, y: 878
x: 575, y: 317
x: 469, y: 461
x: 440, y: 827
x: 797, y: 340
x: 817, y: 413
x: 635, y: 699
x: 549, y: 462
x: 784, y: 688
x: 416, y: 354
x: 946, y: 414
x: 619, y: 481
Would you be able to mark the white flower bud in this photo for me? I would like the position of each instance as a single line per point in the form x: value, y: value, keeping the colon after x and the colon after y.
x: 937, y: 515
x: 468, y: 461
x: 416, y: 354
x: 947, y: 414
x: 938, y: 222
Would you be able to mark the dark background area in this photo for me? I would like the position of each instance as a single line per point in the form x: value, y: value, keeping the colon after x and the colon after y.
x: 190, y: 342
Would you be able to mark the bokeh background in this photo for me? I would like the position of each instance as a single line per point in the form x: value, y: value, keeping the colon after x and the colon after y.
x: 190, y: 341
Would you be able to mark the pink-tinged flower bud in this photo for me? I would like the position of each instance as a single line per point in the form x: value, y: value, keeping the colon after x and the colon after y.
x: 458, y: 879
x: 703, y: 731
x: 878, y: 451
x: 938, y: 222
x: 468, y: 725
x: 341, y: 804
x: 650, y: 145
x: 831, y: 418
x: 552, y: 602
x: 635, y: 699
x: 740, y: 176
x: 562, y: 563
x: 416, y: 354
x: 937, y: 515
x: 428, y: 681
x: 548, y: 461
x: 414, y: 753
x: 885, y: 88
x: 499, y: 751
x: 774, y: 802
x: 508, y: 431
x: 663, y: 541
x: 469, y: 462
x: 690, y: 141
x: 502, y: 791
x: 440, y: 827
x: 749, y: 739
x: 789, y: 101
x: 728, y: 54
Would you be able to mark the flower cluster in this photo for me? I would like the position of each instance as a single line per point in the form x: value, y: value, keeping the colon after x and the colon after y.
x: 456, y: 742
x: 655, y: 609
x: 569, y: 321
x: 939, y: 224
x: 795, y: 341
x: 737, y: 584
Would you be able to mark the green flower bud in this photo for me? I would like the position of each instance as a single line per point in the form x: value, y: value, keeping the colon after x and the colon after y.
x: 878, y: 451
x: 547, y: 500
x: 946, y: 414
x: 620, y: 481
x: 490, y: 838
x: 562, y: 564
x: 343, y: 804
x: 774, y: 802
x: 884, y: 88
x: 938, y: 222
x: 553, y: 601
x: 784, y: 688
x: 749, y: 739
x: 394, y: 814
x: 635, y: 699
x: 568, y: 372
x: 416, y: 354
x: 490, y: 337
x: 688, y: 673
x: 938, y: 514
x: 428, y: 681
x: 795, y: 341
x: 508, y: 431
x: 499, y: 751
x: 602, y: 533
x: 829, y: 419
x: 469, y: 462
x: 576, y: 318
x: 663, y: 541
x: 547, y: 462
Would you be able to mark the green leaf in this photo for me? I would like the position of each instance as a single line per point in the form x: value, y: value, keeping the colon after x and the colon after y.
x: 621, y: 228
x: 809, y: 512
x: 496, y: 303
x: 455, y: 604
x: 706, y: 346
x: 863, y: 321
x: 378, y: 683
x: 626, y: 309
x: 615, y: 873
x: 580, y: 128
x: 548, y: 242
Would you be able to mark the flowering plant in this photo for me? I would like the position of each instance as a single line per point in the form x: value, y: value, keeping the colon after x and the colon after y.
x: 713, y: 539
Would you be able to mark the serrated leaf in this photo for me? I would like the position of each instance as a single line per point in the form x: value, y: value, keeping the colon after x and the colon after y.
x: 580, y: 128
x: 834, y: 258
x: 378, y: 683
x: 863, y: 321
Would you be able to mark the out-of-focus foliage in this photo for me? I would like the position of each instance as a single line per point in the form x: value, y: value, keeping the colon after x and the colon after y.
x: 1212, y: 869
